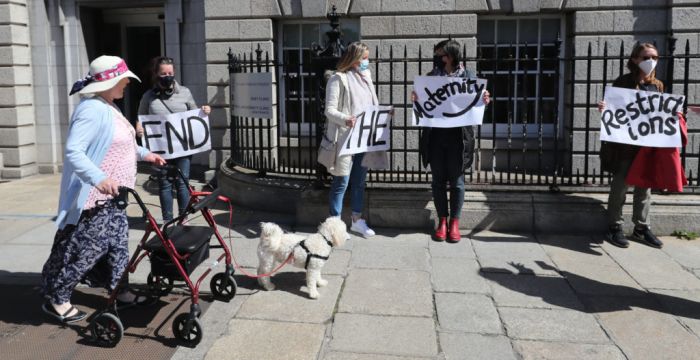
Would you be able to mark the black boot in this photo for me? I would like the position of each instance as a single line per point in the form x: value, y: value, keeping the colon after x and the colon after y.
x: 617, y: 237
x: 644, y: 235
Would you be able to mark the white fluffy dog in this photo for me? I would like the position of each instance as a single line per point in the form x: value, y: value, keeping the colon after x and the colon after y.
x: 309, y: 253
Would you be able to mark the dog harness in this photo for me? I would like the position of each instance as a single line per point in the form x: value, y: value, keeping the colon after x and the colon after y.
x: 310, y: 255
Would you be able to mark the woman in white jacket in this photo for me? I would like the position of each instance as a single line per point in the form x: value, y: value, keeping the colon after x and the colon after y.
x: 349, y: 91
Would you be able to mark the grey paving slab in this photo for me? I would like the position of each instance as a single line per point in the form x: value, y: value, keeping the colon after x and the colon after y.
x: 463, y: 346
x: 458, y: 275
x: 644, y: 332
x: 573, y: 248
x: 510, y: 253
x: 552, y: 325
x: 391, y: 237
x: 42, y: 233
x: 531, y: 291
x: 13, y: 228
x: 387, y: 292
x: 539, y: 350
x: 685, y: 305
x: 473, y: 313
x: 462, y: 249
x: 338, y: 263
x: 685, y: 252
x: 258, y: 339
x: 390, y: 335
x: 24, y: 258
x: 375, y: 256
x: 290, y: 301
x: 652, y: 268
x: 354, y: 356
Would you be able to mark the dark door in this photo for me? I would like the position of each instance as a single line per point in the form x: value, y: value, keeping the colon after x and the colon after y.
x: 143, y: 43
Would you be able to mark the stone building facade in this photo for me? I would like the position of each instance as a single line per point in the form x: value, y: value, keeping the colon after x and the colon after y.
x: 45, y: 45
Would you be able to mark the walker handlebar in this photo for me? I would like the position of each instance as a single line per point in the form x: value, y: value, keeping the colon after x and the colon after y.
x: 206, y: 201
x: 122, y: 198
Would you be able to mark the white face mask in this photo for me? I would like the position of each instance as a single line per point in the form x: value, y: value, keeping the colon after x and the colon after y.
x: 647, y: 66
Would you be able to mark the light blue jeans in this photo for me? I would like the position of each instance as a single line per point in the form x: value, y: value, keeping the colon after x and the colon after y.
x: 356, y: 180
x: 166, y: 188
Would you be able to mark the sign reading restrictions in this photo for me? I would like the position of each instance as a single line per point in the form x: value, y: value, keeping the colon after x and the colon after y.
x: 641, y: 118
x: 447, y: 102
x: 370, y: 133
x: 251, y: 95
x: 176, y: 135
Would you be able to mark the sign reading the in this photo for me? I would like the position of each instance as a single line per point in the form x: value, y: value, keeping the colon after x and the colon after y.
x: 176, y: 135
x: 448, y: 102
x: 251, y: 94
x: 370, y: 133
x: 641, y: 118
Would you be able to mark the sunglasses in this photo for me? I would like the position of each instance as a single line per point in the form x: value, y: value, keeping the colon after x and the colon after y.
x: 649, y: 58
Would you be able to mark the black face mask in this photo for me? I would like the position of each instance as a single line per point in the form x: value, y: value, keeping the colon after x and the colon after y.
x: 437, y: 62
x: 166, y: 82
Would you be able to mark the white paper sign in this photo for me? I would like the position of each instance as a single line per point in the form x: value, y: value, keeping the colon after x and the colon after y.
x: 370, y: 133
x: 448, y: 102
x: 641, y: 118
x: 251, y: 94
x: 176, y: 135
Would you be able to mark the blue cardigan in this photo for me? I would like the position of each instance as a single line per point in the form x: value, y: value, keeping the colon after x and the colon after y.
x: 89, y: 137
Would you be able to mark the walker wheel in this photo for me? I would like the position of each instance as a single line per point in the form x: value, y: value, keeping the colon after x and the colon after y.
x: 187, y: 330
x: 159, y: 285
x: 223, y: 286
x: 107, y: 329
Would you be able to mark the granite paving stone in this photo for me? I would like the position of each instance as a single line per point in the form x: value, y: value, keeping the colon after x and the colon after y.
x: 259, y: 339
x: 375, y: 256
x: 355, y: 356
x: 685, y: 252
x: 552, y: 325
x: 473, y: 313
x: 290, y: 301
x: 338, y: 263
x: 462, y: 249
x: 684, y: 304
x: 644, y: 331
x: 390, y: 335
x: 476, y: 346
x: 387, y: 292
x: 510, y: 254
x: 652, y: 268
x: 537, y: 350
x: 458, y: 275
x: 531, y: 291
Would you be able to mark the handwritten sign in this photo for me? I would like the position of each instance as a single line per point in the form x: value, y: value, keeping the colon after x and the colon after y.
x: 251, y: 94
x: 176, y: 135
x: 370, y: 133
x: 641, y: 118
x: 448, y: 102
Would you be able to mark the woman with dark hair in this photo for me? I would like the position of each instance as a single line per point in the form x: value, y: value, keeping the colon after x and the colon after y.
x: 167, y: 96
x: 348, y: 92
x: 617, y: 158
x: 448, y: 151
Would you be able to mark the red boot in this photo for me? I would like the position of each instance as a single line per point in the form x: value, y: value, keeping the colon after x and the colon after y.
x: 441, y: 231
x: 454, y: 235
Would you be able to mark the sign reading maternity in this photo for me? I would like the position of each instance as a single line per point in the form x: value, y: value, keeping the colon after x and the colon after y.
x: 370, y: 133
x: 176, y: 135
x: 641, y: 118
x: 448, y: 102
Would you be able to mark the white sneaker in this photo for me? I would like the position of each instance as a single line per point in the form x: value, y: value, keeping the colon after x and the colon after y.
x: 360, y: 226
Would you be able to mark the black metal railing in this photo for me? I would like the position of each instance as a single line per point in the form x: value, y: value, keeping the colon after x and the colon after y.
x: 541, y: 128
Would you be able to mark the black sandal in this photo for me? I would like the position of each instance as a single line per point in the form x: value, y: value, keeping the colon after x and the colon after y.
x: 79, y: 315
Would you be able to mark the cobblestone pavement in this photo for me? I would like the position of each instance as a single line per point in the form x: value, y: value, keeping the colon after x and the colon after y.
x: 399, y: 295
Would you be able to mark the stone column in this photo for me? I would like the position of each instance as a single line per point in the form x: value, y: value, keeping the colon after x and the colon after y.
x: 17, y: 124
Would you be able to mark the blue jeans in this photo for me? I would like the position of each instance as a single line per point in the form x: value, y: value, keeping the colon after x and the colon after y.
x: 356, y: 180
x: 166, y: 188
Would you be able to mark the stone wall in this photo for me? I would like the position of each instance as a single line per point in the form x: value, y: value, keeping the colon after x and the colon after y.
x: 17, y: 123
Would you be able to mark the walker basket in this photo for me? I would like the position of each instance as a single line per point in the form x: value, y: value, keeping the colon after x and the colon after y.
x: 188, y: 240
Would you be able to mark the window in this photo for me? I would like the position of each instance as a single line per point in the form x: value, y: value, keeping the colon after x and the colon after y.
x: 297, y: 91
x: 518, y: 57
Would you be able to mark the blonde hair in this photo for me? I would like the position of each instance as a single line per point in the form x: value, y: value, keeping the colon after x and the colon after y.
x: 352, y: 55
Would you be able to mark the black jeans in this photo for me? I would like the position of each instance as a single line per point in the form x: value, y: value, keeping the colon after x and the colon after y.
x: 446, y: 158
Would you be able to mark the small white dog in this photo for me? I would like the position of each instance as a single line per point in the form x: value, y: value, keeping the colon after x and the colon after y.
x: 309, y: 253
